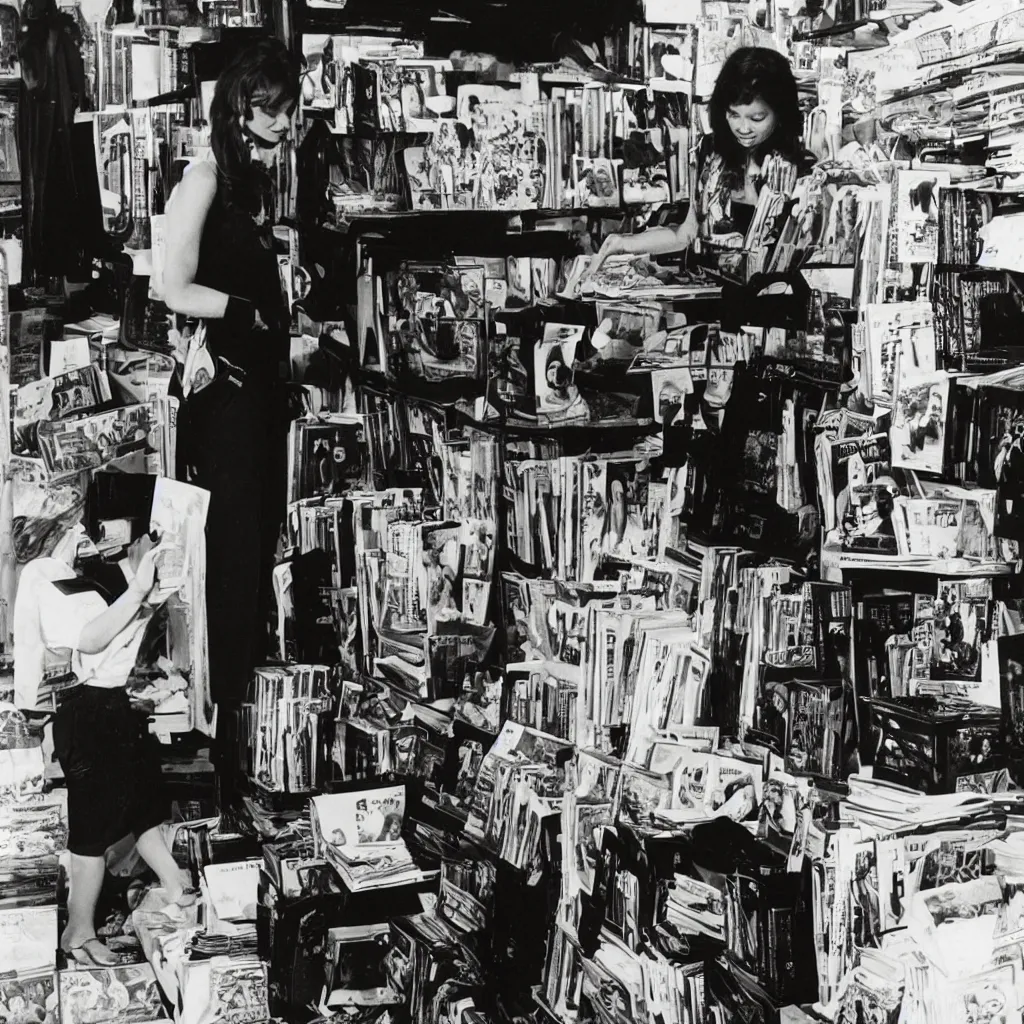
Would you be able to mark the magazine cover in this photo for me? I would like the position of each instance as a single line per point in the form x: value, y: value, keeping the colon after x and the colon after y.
x: 668, y: 391
x: 675, y: 346
x: 558, y: 398
x: 920, y: 415
x: 27, y: 937
x: 917, y: 215
x: 864, y: 491
x: 136, y: 376
x: 54, y: 398
x: 356, y: 972
x: 72, y: 446
x: 622, y: 328
x: 597, y: 181
x: 362, y: 822
x: 436, y: 321
x: 30, y: 998
x: 326, y: 458
x: 899, y: 334
x: 178, y: 515
x: 238, y: 991
x: 125, y: 995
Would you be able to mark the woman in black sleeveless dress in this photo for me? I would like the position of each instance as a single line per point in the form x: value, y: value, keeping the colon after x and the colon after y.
x: 220, y: 265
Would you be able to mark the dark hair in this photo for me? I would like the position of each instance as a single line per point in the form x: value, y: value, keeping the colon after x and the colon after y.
x: 263, y: 74
x: 751, y: 73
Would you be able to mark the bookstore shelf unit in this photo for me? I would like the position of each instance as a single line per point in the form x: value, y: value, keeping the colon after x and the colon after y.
x: 648, y: 643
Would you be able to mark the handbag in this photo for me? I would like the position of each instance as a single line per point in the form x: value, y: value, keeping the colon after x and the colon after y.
x: 200, y: 368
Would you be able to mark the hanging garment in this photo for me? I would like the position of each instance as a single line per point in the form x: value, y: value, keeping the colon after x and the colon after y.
x: 52, y: 90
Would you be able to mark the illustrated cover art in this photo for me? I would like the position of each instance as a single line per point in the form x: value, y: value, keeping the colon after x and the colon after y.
x: 865, y: 490
x: 71, y: 446
x: 436, y: 325
x: 125, y: 995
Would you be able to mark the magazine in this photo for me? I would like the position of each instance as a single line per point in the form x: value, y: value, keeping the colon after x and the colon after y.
x: 71, y: 446
x: 920, y: 418
x: 360, y: 834
x: 436, y: 327
x: 558, y: 398
x: 324, y: 457
x: 900, y: 335
x: 356, y: 971
x: 864, y: 490
x: 54, y: 398
x: 103, y: 995
x: 232, y: 889
x: 916, y: 211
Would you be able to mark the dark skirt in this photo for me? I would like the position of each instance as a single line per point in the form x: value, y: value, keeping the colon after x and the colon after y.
x: 111, y: 766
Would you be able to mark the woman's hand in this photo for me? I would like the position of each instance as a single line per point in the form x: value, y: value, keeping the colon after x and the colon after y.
x: 145, y: 575
x: 137, y: 549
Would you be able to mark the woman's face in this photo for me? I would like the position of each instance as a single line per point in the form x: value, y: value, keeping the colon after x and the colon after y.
x: 268, y: 125
x: 752, y: 123
x: 719, y: 387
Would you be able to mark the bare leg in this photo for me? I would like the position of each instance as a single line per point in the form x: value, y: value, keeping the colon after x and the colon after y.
x: 154, y: 852
x: 87, y: 875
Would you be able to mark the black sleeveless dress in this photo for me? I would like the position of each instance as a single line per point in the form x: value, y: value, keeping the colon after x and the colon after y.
x: 238, y: 438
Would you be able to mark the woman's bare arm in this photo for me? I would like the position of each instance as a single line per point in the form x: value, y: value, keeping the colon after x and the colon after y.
x: 186, y: 216
x: 97, y: 635
x: 653, y: 241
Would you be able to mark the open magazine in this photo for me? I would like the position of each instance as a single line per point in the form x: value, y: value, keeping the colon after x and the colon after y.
x: 360, y: 835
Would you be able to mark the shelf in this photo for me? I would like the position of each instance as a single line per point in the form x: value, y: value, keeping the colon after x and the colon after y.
x: 835, y: 564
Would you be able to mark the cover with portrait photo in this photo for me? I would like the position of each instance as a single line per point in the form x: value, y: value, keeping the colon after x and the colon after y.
x: 361, y: 822
x: 668, y: 389
x: 558, y: 397
x: 920, y: 417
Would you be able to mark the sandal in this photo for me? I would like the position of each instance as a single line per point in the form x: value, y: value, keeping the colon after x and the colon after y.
x: 85, y: 956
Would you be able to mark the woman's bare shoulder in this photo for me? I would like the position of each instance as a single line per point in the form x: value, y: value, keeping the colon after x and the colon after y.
x: 198, y: 184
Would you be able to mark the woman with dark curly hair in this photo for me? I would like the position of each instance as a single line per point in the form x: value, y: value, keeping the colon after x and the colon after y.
x: 756, y: 140
x: 220, y: 266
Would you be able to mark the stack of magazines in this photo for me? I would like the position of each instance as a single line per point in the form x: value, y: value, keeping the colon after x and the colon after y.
x: 360, y: 835
x: 281, y: 724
